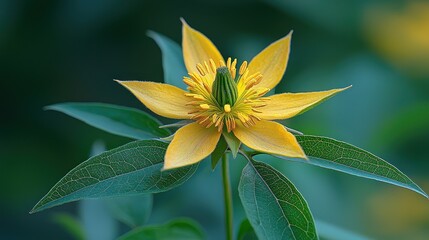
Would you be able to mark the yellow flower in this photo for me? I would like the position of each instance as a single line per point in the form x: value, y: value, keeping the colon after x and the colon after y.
x: 222, y: 99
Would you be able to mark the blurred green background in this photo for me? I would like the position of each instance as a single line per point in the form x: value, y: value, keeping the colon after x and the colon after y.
x: 71, y: 50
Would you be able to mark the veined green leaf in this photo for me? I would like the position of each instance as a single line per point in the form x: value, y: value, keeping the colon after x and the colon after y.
x: 134, y: 211
x: 123, y: 121
x: 172, y: 60
x: 131, y: 169
x: 273, y: 205
x: 179, y: 229
x: 97, y: 223
x: 340, y: 156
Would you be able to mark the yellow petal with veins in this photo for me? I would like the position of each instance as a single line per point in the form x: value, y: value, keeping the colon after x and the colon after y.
x: 287, y: 105
x: 270, y: 137
x: 272, y: 62
x: 197, y: 48
x: 190, y: 144
x: 162, y: 99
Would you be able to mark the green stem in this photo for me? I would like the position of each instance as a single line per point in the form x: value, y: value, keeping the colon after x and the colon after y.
x: 227, y: 197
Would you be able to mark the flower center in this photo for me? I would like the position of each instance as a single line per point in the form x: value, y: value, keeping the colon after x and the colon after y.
x: 221, y: 98
x: 224, y: 88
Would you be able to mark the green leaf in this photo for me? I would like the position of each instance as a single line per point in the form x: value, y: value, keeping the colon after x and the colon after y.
x: 246, y: 232
x: 273, y: 205
x: 332, y: 232
x: 178, y: 124
x: 340, y: 156
x: 123, y: 121
x: 172, y: 60
x: 179, y: 229
x: 218, y: 152
x: 134, y: 211
x: 70, y: 224
x: 131, y: 169
x: 233, y: 142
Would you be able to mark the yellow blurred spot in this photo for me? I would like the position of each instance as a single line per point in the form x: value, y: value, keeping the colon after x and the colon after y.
x: 401, y: 36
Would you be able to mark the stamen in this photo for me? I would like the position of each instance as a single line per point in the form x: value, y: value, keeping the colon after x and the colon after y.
x: 213, y: 65
x: 201, y: 69
x: 227, y: 108
x: 207, y: 66
x: 214, y: 118
x: 199, y: 97
x: 189, y: 82
x: 212, y: 110
x: 204, y: 106
x: 233, y: 70
x: 243, y: 67
x: 192, y: 112
x: 221, y: 63
x: 234, y: 63
x: 258, y: 78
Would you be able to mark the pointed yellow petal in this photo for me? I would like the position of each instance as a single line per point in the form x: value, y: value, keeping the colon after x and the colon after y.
x: 271, y: 62
x: 270, y: 137
x: 287, y: 105
x: 162, y: 99
x: 190, y: 144
x: 197, y: 48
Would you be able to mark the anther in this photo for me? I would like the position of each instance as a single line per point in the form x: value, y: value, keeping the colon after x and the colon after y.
x: 227, y: 108
x: 201, y: 69
x: 189, y: 82
x: 213, y: 65
x: 234, y: 63
x: 243, y: 68
x: 198, y: 97
x: 204, y: 106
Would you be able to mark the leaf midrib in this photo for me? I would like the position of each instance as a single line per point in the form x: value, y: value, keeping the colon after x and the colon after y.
x: 278, y: 204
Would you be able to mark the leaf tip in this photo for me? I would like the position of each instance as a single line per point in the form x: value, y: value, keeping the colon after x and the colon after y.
x: 49, y: 107
x: 35, y: 209
x: 154, y: 35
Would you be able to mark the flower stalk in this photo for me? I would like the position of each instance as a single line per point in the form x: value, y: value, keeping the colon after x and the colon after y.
x: 227, y: 197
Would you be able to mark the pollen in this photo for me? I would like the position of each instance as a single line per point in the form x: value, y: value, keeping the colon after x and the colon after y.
x: 212, y: 111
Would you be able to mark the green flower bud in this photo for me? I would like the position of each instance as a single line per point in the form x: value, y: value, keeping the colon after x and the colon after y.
x: 224, y: 87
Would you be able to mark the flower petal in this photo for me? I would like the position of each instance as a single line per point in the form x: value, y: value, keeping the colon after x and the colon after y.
x: 270, y: 137
x: 272, y: 62
x: 287, y: 105
x: 197, y: 48
x: 162, y: 99
x: 190, y: 144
